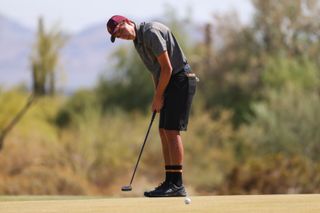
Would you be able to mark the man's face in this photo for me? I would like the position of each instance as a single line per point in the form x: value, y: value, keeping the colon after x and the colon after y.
x: 124, y: 30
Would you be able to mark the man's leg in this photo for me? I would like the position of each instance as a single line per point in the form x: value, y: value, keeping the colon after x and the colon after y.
x: 166, y: 153
x: 176, y: 152
x: 175, y: 146
x: 167, y: 161
x: 173, y: 119
x: 172, y: 149
x: 165, y: 147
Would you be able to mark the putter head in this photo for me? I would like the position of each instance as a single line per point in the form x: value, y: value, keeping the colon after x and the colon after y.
x: 126, y: 188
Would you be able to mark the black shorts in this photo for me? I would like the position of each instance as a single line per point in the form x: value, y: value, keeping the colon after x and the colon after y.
x: 174, y: 114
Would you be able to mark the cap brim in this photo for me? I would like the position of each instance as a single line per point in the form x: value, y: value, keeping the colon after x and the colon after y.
x: 113, y: 38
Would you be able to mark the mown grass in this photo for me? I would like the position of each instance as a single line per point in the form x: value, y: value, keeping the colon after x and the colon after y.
x: 47, y: 198
x: 207, y: 204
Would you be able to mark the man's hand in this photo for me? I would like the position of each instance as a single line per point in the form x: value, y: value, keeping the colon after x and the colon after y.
x: 157, y: 103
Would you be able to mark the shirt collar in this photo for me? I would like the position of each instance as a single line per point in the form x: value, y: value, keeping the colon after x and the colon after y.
x: 139, y: 33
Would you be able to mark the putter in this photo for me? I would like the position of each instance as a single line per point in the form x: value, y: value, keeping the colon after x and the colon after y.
x: 129, y: 187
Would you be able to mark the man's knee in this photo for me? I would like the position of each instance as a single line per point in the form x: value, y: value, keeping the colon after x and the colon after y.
x: 162, y: 132
x: 172, y: 134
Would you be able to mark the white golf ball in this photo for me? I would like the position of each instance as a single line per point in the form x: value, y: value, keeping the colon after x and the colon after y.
x: 187, y: 200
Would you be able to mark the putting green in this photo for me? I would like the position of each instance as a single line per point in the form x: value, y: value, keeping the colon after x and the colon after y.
x: 209, y: 204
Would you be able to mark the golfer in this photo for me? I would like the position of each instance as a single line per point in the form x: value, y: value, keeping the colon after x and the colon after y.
x: 175, y: 86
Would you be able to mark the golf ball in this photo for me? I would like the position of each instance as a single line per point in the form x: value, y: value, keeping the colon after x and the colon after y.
x: 187, y: 200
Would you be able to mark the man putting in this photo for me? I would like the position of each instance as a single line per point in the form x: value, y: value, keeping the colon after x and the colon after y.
x: 175, y: 87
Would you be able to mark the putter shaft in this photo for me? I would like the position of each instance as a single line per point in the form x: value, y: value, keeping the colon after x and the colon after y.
x: 138, y: 160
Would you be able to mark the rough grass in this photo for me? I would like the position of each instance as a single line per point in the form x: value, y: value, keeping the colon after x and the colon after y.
x: 209, y: 204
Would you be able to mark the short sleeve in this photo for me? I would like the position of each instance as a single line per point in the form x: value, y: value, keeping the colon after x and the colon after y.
x: 156, y: 42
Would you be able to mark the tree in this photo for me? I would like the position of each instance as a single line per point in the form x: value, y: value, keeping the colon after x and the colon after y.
x: 287, y: 121
x: 5, y: 131
x: 291, y: 27
x: 131, y: 87
x: 45, y: 58
x: 43, y: 63
x: 240, y: 52
x: 229, y: 64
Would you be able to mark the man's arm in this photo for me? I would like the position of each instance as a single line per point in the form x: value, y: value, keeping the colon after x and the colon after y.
x: 154, y: 82
x: 165, y: 75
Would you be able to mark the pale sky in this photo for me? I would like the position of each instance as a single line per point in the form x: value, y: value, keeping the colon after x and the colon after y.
x: 75, y: 15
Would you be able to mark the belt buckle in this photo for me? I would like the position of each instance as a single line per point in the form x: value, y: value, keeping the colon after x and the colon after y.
x: 192, y: 75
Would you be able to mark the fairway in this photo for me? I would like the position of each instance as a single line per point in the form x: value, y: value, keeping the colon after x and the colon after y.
x: 209, y: 204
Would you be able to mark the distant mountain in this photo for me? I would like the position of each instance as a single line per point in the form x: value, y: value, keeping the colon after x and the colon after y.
x: 84, y: 57
x: 15, y: 47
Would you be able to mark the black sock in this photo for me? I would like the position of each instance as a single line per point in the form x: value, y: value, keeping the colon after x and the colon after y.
x: 177, y: 178
x: 174, y: 174
x: 168, y: 175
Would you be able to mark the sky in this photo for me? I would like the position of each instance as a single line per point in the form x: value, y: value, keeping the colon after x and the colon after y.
x: 75, y: 15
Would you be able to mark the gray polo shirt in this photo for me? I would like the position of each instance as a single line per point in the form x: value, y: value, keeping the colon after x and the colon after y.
x: 153, y: 39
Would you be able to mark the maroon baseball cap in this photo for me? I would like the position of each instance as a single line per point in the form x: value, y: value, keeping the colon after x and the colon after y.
x: 113, y: 23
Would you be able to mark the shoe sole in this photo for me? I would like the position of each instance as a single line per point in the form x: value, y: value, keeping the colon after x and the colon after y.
x: 176, y: 194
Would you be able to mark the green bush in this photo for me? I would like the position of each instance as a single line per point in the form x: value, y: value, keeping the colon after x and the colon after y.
x: 272, y: 174
x: 80, y: 104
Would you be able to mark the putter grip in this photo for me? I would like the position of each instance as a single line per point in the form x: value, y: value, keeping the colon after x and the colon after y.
x: 153, y: 116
